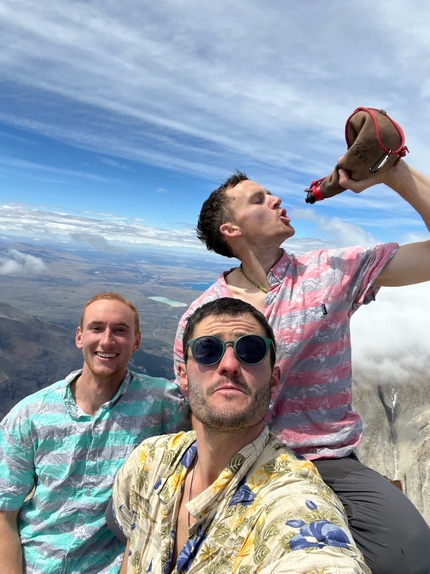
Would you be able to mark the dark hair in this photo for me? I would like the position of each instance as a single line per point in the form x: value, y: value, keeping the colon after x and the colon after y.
x: 232, y: 308
x: 215, y: 211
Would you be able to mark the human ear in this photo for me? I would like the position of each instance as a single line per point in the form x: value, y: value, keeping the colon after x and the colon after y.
x: 275, y: 382
x: 137, y: 341
x: 78, y: 338
x: 183, y: 379
x: 230, y: 230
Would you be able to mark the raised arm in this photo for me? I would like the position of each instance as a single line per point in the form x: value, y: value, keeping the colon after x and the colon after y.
x: 10, y: 544
x: 411, y: 263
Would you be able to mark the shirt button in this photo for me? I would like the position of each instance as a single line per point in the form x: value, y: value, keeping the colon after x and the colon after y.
x: 88, y: 492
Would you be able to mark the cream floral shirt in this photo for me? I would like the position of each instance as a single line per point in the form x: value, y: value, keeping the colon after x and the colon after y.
x: 267, y: 512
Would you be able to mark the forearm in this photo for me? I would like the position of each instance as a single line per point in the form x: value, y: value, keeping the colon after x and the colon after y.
x: 10, y: 544
x: 413, y: 186
x: 125, y: 561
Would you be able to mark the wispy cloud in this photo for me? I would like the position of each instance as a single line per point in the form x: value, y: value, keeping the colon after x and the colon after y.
x: 14, y: 262
x: 152, y: 84
x: 31, y: 166
x: 97, y: 241
x: 107, y: 233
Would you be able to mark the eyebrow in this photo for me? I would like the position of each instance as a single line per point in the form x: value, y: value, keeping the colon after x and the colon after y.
x: 260, y: 191
x: 102, y: 324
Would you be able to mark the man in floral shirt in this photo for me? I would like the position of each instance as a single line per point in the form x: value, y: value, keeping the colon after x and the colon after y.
x: 210, y: 500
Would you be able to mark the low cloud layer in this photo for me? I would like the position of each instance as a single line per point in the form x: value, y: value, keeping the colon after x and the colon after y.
x: 16, y: 263
x: 112, y: 233
x: 97, y: 241
x: 390, y: 337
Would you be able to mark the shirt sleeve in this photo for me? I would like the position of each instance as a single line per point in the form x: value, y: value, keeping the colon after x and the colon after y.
x: 371, y: 267
x: 123, y: 489
x: 17, y: 472
x: 359, y: 267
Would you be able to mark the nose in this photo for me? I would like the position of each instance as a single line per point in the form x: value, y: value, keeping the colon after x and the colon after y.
x: 107, y: 337
x: 276, y: 202
x: 229, y: 364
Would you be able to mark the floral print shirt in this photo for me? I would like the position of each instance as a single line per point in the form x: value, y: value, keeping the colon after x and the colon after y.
x: 267, y: 512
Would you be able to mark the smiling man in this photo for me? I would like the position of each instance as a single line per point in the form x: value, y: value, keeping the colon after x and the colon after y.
x: 61, y: 447
x: 209, y: 500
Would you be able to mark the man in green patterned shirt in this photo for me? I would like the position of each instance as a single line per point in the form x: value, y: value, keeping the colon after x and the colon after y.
x: 61, y: 447
x: 229, y: 496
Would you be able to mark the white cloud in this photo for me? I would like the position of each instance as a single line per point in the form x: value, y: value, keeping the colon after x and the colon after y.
x: 153, y: 84
x: 109, y: 232
x: 22, y: 164
x: 14, y: 262
x: 103, y: 231
x: 338, y: 233
x: 390, y: 336
x: 97, y: 241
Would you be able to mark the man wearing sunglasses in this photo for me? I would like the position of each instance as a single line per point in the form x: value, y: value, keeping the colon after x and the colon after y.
x: 308, y: 300
x: 229, y: 496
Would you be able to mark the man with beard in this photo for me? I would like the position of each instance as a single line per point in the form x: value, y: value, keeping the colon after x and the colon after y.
x: 229, y: 496
x: 61, y: 447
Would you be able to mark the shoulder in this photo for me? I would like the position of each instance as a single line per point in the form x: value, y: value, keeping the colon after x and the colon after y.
x: 215, y: 291
x: 337, y: 257
x: 284, y: 462
x: 154, y: 387
x: 157, y: 449
x: 33, y: 403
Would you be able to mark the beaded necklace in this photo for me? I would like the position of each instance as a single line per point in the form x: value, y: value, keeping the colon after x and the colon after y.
x: 253, y: 282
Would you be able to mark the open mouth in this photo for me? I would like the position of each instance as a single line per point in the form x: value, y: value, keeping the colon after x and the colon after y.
x: 106, y: 355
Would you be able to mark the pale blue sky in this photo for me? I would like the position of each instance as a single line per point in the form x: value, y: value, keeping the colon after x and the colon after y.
x: 117, y: 119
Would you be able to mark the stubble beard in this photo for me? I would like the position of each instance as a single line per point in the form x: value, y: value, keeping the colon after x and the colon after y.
x: 226, y: 419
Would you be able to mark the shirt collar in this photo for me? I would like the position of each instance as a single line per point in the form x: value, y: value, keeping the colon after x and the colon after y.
x: 73, y: 408
x: 205, y: 505
x: 279, y: 270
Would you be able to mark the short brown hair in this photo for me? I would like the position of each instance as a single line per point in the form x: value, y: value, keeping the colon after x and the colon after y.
x: 229, y: 307
x: 110, y: 296
x: 215, y: 211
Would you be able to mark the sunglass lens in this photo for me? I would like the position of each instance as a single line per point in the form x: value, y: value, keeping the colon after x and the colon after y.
x: 251, y: 349
x: 207, y: 350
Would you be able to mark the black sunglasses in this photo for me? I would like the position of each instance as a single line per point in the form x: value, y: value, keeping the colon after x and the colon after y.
x: 249, y: 349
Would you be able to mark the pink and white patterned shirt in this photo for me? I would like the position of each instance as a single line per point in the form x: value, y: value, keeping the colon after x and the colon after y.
x: 311, y: 300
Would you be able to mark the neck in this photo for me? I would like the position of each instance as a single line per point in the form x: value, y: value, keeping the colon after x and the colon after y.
x: 257, y: 266
x: 90, y: 391
x: 216, y: 449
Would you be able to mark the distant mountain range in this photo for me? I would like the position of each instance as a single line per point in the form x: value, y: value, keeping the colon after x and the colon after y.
x: 33, y: 354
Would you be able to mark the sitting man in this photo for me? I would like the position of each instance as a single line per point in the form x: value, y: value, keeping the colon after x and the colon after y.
x: 61, y: 447
x: 308, y: 300
x: 229, y: 496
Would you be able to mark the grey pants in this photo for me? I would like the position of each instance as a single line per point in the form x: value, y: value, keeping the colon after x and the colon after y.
x: 390, y: 532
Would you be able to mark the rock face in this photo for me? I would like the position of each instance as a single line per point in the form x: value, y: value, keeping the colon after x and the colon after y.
x: 396, y: 438
x: 33, y: 354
